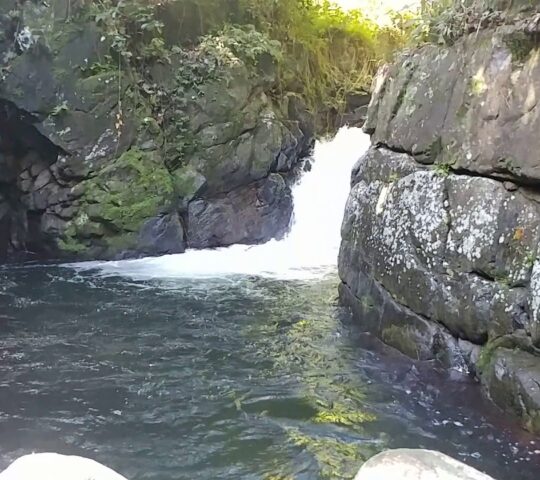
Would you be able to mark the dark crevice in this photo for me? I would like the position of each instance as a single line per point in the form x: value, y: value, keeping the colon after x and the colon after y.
x: 482, y: 275
x: 235, y: 137
x: 22, y: 149
x: 401, y: 150
x: 447, y: 208
x: 18, y: 128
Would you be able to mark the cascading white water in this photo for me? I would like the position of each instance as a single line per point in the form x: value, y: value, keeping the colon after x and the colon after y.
x: 309, y: 251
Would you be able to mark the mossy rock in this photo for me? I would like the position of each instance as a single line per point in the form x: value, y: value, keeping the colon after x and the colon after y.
x: 130, y: 190
x: 118, y: 200
x: 402, y: 339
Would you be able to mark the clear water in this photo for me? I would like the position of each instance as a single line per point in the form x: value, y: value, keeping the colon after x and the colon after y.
x: 199, y: 367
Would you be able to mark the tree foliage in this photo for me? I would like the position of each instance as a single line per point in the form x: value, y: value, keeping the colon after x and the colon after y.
x: 328, y: 53
x: 325, y: 53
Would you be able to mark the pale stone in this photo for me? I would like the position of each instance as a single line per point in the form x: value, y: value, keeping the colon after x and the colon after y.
x: 408, y: 464
x: 53, y: 466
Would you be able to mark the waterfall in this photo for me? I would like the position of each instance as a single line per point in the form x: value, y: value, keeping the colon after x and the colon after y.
x: 310, y: 249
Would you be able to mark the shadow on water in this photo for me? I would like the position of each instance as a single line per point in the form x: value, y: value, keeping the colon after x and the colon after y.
x: 232, y: 378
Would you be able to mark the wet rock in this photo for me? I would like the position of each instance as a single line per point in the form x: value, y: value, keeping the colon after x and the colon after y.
x: 162, y: 235
x: 43, y: 179
x: 408, y: 464
x: 512, y: 379
x: 471, y: 354
x: 249, y: 215
x: 188, y: 183
x: 52, y: 225
x: 399, y: 327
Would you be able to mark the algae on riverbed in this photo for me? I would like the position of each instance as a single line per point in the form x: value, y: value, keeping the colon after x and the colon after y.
x: 308, y: 346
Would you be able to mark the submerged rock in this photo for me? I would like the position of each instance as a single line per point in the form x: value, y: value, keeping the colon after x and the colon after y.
x: 408, y: 464
x: 441, y: 234
x: 58, y: 467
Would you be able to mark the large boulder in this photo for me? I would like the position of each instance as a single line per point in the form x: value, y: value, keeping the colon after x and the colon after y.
x: 511, y: 377
x: 250, y: 214
x: 477, y: 117
x: 408, y: 464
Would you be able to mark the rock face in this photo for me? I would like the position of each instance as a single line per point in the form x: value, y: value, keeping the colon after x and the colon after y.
x: 110, y: 149
x: 408, y: 464
x: 442, y: 228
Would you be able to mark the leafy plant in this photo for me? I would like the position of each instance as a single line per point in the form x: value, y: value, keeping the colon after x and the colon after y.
x: 234, y: 44
x: 131, y: 28
x: 443, y: 169
x: 444, y: 21
x: 328, y: 53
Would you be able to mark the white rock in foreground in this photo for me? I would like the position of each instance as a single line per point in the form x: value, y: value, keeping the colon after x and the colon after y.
x: 407, y: 464
x: 53, y: 466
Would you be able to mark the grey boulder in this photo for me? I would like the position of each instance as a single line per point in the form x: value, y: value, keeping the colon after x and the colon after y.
x: 408, y: 464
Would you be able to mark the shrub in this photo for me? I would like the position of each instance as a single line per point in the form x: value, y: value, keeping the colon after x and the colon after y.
x: 328, y: 53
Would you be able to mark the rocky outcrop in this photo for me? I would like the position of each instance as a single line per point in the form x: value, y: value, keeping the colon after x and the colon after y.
x: 259, y: 211
x: 115, y: 145
x: 409, y: 464
x: 442, y: 228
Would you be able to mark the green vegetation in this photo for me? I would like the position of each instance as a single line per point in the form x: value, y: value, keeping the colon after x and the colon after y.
x: 320, y: 51
x: 401, y: 338
x: 327, y: 53
x: 110, y: 207
x: 521, y: 45
x: 445, y: 21
x: 131, y: 27
x: 478, y: 84
x: 337, y: 459
x: 443, y: 169
x: 340, y: 416
x: 150, y: 188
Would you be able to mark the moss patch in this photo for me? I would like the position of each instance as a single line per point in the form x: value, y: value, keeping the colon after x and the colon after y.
x: 336, y: 459
x: 520, y: 45
x: 118, y: 200
x: 133, y: 188
x: 478, y: 84
x: 401, y: 339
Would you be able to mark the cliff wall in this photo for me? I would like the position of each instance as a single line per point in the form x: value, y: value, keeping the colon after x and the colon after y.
x: 442, y: 227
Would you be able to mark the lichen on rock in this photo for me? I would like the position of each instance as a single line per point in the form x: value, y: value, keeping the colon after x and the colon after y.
x: 442, y: 227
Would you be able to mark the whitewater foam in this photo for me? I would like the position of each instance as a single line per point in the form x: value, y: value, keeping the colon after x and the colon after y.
x: 309, y: 251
